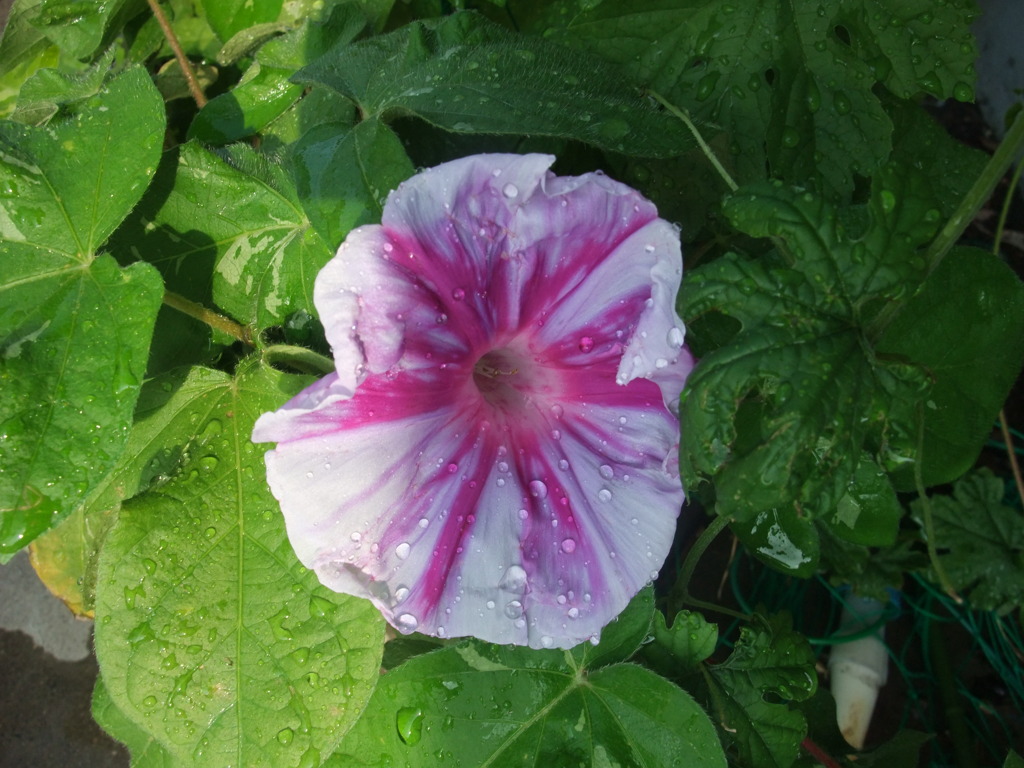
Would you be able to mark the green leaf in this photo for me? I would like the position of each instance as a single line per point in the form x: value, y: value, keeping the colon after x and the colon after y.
x: 486, y: 705
x: 467, y: 75
x: 1013, y: 760
x: 24, y: 50
x: 79, y: 26
x: 776, y: 662
x: 238, y: 214
x: 964, y: 328
x: 211, y: 637
x: 790, y: 81
x: 344, y: 175
x: 677, y: 651
x: 146, y: 752
x: 781, y: 415
x: 74, y: 328
x: 980, y: 541
x: 265, y: 91
x: 48, y: 90
x: 228, y: 17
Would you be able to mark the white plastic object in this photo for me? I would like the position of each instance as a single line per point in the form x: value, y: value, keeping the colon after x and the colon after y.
x: 858, y: 668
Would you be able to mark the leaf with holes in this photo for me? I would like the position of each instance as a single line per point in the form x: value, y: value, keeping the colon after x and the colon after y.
x: 212, y: 638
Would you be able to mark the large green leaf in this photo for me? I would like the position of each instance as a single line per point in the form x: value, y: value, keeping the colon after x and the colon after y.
x: 74, y: 328
x: 467, y: 75
x: 212, y: 638
x: 980, y: 540
x: 964, y: 328
x: 792, y: 416
x: 790, y: 81
x: 237, y: 215
x: 343, y: 175
x: 479, y: 705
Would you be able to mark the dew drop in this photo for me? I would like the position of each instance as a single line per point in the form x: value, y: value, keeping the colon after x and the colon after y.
x: 453, y: 468
x: 538, y: 490
x: 606, y: 472
x: 409, y: 722
x: 586, y: 344
x: 402, y: 550
x: 510, y: 191
x: 514, y: 609
x: 573, y: 612
x: 546, y: 641
x: 407, y: 622
x: 523, y: 514
x: 563, y: 464
x: 356, y: 536
x: 490, y: 605
x: 661, y: 362
x: 401, y: 594
x: 675, y: 338
x: 458, y: 294
x: 604, y: 494
x: 423, y: 522
x: 557, y: 411
x: 568, y: 546
x: 514, y: 580
x: 503, y: 466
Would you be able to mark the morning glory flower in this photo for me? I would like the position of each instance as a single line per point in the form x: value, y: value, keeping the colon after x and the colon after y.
x: 496, y: 452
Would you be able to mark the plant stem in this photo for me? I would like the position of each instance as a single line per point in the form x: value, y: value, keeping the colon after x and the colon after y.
x: 929, y: 525
x: 819, y: 754
x: 179, y: 54
x: 693, y: 557
x: 300, y: 358
x: 978, y: 194
x: 682, y: 115
x: 1014, y: 466
x: 209, y: 317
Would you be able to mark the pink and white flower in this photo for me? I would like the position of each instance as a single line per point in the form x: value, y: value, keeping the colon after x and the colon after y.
x: 496, y: 453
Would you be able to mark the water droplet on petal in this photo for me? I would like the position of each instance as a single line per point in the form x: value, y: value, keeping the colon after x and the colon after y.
x: 675, y: 338
x: 649, y: 248
x: 568, y: 546
x: 514, y: 609
x: 402, y: 550
x: 606, y: 472
x: 573, y: 612
x: 523, y: 514
x: 400, y: 594
x: 563, y: 464
x: 453, y: 468
x: 538, y: 490
x: 490, y: 604
x: 557, y: 411
x: 604, y: 494
x: 423, y: 523
x: 546, y: 641
x: 586, y: 343
x: 510, y: 190
x: 407, y: 622
x: 458, y: 294
x: 514, y: 580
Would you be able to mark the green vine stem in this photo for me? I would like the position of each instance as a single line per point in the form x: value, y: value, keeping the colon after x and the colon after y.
x: 179, y: 53
x: 712, y: 158
x: 208, y: 316
x: 929, y: 523
x: 299, y: 358
x: 715, y: 527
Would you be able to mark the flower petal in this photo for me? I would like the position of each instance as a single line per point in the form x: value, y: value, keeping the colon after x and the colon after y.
x: 494, y: 455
